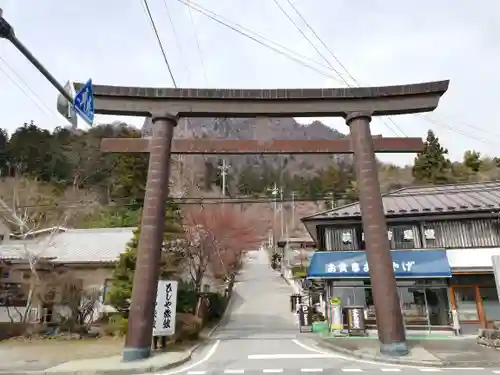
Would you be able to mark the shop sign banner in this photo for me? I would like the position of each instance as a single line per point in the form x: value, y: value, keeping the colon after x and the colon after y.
x: 355, y: 320
x: 305, y: 318
x: 165, y: 307
x: 354, y: 264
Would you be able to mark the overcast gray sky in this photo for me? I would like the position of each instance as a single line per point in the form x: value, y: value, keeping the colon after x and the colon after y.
x: 380, y: 42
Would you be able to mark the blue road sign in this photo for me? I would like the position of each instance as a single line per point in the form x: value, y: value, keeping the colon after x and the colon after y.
x: 84, y: 103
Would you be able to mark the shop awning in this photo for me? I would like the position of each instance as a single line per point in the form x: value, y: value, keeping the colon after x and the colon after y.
x: 353, y: 264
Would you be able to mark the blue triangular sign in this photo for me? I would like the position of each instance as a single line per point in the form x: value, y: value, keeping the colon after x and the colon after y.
x: 84, y: 103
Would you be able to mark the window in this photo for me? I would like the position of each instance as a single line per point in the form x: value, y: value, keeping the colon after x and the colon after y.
x: 340, y: 239
x: 404, y: 237
x: 5, y: 273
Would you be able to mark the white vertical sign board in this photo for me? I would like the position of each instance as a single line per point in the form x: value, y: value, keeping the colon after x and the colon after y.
x: 495, y: 260
x: 165, y: 307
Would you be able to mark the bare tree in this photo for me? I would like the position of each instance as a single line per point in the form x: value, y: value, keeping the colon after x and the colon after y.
x: 34, y: 235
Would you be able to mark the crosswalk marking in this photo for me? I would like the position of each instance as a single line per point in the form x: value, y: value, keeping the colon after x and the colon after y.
x: 429, y: 369
x: 311, y: 370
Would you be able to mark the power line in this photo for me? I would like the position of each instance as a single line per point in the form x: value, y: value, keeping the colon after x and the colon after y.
x: 198, y: 45
x: 322, y: 42
x: 332, y: 54
x: 160, y: 43
x: 269, y: 44
x: 177, y: 42
x: 31, y: 96
x: 354, y: 79
x: 310, y: 42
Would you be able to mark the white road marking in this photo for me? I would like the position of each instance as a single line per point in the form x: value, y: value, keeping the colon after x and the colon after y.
x: 291, y: 356
x: 210, y: 353
x: 430, y: 369
x: 311, y: 370
x: 234, y: 371
x: 350, y: 358
x: 496, y: 371
x: 390, y: 369
x: 351, y: 370
x: 268, y: 370
x: 196, y: 372
x: 462, y: 368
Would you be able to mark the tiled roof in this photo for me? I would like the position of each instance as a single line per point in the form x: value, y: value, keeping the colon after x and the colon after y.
x: 484, y: 196
x: 74, y: 246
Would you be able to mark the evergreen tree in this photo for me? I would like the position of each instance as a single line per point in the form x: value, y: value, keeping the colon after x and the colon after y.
x: 431, y: 165
x: 472, y: 160
x: 172, y: 255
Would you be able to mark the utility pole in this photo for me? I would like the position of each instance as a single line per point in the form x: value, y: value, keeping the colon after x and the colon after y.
x: 332, y: 200
x: 293, y: 211
x: 281, y: 213
x: 223, y: 172
x: 274, y: 192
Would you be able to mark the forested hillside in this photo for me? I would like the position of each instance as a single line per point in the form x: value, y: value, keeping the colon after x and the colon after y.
x: 47, y: 172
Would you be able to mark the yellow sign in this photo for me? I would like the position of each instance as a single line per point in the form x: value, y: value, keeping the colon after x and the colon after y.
x: 335, y: 301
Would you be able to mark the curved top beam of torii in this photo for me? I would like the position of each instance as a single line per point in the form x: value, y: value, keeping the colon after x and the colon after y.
x: 320, y: 102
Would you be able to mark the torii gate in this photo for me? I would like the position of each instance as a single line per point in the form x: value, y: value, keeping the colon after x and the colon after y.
x: 357, y: 105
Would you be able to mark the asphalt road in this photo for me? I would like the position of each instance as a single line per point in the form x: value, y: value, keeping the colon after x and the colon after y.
x: 261, y: 335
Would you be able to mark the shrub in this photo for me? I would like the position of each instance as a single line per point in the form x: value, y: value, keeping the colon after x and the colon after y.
x: 117, y: 325
x: 187, y: 327
x: 217, y: 306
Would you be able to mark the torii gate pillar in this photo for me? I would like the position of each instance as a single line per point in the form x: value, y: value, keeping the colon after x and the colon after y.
x: 391, y: 331
x: 151, y: 239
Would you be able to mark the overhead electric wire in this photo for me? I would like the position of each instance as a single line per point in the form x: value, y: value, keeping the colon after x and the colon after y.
x: 31, y: 95
x: 322, y: 42
x: 145, y: 2
x: 179, y: 45
x: 198, y: 45
x: 354, y: 79
x: 310, y: 42
x: 246, y: 33
x: 297, y: 27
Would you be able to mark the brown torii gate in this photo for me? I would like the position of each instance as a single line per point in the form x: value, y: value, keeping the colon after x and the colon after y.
x: 357, y: 105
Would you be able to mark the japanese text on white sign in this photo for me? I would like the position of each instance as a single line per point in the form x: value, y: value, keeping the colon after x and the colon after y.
x: 165, y: 307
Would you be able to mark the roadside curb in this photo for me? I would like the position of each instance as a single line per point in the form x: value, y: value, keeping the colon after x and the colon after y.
x: 130, y: 371
x: 135, y: 370
x: 379, y: 359
x: 400, y: 361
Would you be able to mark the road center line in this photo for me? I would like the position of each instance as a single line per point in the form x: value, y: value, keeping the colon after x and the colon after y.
x: 234, y: 371
x: 390, y: 369
x: 291, y: 356
x: 196, y: 372
x: 268, y: 370
x: 352, y: 370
